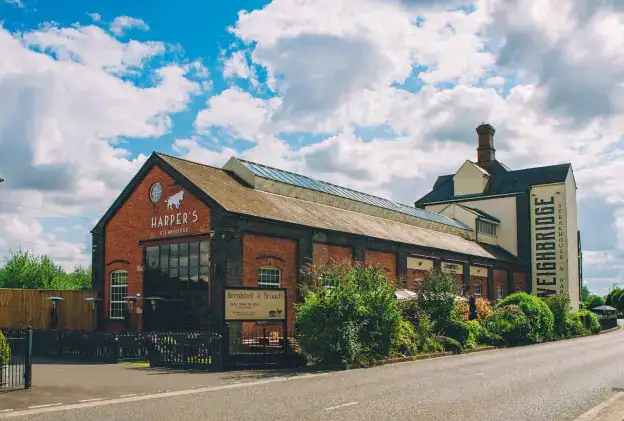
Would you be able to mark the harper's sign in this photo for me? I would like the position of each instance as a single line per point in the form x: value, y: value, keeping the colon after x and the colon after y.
x: 255, y: 304
x: 456, y: 268
x: 549, y: 240
x: 172, y: 222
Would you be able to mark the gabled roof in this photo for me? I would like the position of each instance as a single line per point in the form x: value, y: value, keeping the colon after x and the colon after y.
x: 236, y: 197
x: 503, y: 181
x: 480, y: 213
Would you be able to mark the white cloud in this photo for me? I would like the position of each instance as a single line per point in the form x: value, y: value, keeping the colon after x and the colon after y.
x: 17, y: 3
x: 122, y: 23
x: 95, y: 16
x: 61, y: 120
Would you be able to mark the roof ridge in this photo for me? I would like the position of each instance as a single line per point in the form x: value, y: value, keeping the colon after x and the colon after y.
x: 161, y: 154
x: 327, y: 182
x: 566, y: 164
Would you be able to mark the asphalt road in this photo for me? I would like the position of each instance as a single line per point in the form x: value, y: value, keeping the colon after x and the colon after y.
x: 555, y: 381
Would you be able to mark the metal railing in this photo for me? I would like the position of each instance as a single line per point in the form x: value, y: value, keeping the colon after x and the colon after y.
x: 16, y: 370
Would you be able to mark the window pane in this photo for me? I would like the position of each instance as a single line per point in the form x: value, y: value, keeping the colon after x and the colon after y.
x: 164, y: 258
x: 184, y: 273
x: 204, y: 273
x: 184, y: 255
x: 269, y: 278
x: 173, y: 256
x: 173, y: 273
x: 204, y: 258
x: 151, y: 257
x: 194, y: 273
x: 194, y: 254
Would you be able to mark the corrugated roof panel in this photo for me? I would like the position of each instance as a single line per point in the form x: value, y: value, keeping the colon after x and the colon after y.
x: 321, y: 186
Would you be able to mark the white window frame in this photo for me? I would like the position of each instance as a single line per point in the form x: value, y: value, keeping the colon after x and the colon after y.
x: 500, y: 291
x: 479, y: 289
x: 269, y: 270
x: 486, y: 227
x: 120, y: 290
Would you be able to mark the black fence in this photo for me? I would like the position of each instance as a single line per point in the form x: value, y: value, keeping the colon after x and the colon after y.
x: 607, y: 322
x: 16, y: 360
x: 262, y: 345
x: 198, y: 350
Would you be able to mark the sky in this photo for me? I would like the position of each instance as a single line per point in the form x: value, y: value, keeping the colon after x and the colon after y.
x: 377, y: 95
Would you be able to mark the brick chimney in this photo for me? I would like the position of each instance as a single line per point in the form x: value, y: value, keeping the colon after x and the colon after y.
x: 486, y: 151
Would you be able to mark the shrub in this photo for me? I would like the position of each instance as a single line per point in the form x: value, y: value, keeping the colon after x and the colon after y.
x: 436, y: 295
x: 559, y: 306
x: 590, y: 321
x: 574, y: 325
x: 481, y: 335
x: 510, y: 324
x: 460, y: 332
x: 449, y: 344
x: 404, y: 342
x: 540, y: 318
x: 349, y: 314
x: 461, y: 310
x: 424, y: 327
x: 5, y: 350
x: 594, y: 301
x: 483, y: 308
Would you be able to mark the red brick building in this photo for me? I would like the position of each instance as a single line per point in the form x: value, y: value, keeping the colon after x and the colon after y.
x: 183, y: 231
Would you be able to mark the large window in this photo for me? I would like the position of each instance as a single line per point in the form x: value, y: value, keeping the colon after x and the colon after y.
x: 484, y: 227
x: 118, y: 290
x: 183, y: 264
x: 269, y: 278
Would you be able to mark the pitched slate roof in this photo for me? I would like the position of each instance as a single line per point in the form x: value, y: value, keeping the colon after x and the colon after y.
x: 230, y: 193
x: 299, y: 180
x: 503, y: 181
x: 481, y: 213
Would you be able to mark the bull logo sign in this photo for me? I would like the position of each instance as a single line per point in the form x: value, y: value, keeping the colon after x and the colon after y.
x: 175, y: 200
x: 174, y: 223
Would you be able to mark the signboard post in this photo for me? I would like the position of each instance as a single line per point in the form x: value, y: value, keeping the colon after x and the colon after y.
x: 259, y: 305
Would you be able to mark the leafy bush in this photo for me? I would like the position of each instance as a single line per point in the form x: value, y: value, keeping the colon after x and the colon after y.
x: 574, y: 325
x: 404, y: 342
x: 449, y: 344
x: 590, y: 321
x: 480, y: 335
x: 510, y: 324
x: 349, y: 314
x: 539, y: 316
x: 424, y: 327
x: 461, y: 310
x: 483, y: 308
x: 5, y: 350
x: 436, y: 295
x: 594, y: 301
x: 559, y: 306
x: 460, y: 332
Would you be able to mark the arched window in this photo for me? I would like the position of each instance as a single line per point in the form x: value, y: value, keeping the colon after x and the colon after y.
x: 118, y: 290
x: 269, y: 277
x: 499, y: 292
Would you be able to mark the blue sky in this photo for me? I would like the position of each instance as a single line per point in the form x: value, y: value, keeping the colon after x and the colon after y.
x: 378, y: 95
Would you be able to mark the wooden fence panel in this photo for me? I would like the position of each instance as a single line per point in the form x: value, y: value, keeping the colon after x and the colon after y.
x: 22, y: 307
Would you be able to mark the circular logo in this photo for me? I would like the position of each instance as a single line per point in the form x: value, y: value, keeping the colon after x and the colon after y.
x: 155, y: 192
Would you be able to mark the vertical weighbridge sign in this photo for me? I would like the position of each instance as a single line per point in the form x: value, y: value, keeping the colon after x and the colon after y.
x: 255, y: 304
x: 549, y: 240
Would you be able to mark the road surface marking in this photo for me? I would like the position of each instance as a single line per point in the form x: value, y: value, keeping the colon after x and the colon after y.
x: 128, y: 396
x: 44, y: 406
x: 6, y: 410
x: 331, y: 408
x: 144, y: 397
x: 91, y: 400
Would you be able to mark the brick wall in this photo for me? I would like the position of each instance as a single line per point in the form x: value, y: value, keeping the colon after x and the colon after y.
x: 133, y: 223
x: 520, y: 281
x: 324, y: 252
x: 281, y: 253
x: 387, y: 260
x: 500, y: 279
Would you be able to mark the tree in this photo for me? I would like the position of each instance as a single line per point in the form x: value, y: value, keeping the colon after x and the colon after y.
x: 23, y: 269
x: 436, y: 295
x: 585, y: 293
x: 595, y: 301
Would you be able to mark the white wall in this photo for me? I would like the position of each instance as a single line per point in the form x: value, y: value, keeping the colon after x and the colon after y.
x: 469, y: 180
x: 504, y: 208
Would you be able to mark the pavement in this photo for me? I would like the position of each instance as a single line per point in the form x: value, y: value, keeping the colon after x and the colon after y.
x: 556, y: 381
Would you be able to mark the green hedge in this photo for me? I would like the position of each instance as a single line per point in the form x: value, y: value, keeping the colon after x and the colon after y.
x: 5, y: 350
x: 509, y: 325
x: 540, y: 317
x: 590, y: 321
